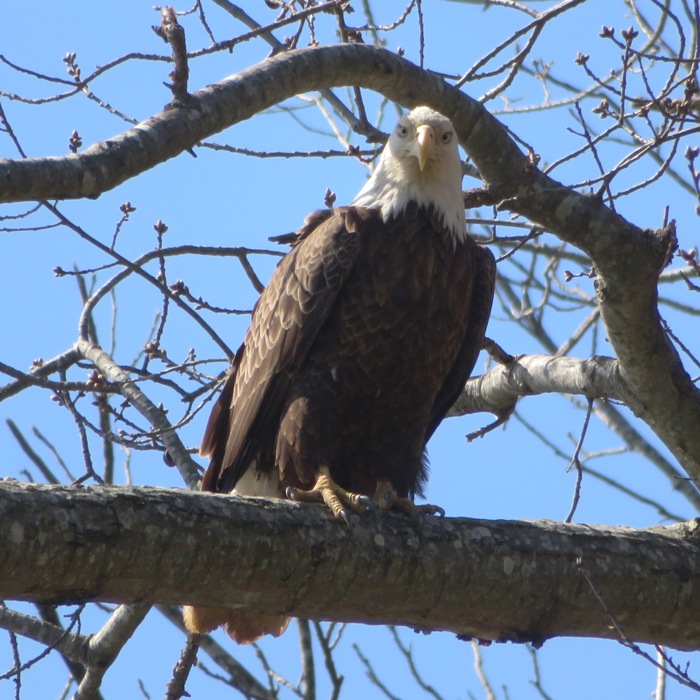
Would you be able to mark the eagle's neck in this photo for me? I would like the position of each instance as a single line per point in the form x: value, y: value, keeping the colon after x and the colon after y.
x: 394, y: 185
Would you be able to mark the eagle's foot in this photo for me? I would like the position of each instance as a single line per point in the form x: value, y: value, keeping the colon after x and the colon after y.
x: 386, y: 498
x: 338, y: 500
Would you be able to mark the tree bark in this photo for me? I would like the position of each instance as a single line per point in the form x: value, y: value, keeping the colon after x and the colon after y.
x: 498, y: 390
x: 493, y: 580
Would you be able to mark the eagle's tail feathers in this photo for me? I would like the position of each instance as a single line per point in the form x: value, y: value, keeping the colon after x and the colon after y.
x: 242, y: 627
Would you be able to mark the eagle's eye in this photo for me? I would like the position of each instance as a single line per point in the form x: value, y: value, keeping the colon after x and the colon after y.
x: 402, y: 131
x: 446, y: 137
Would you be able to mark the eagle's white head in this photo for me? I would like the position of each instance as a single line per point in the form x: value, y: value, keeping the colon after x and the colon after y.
x: 421, y: 164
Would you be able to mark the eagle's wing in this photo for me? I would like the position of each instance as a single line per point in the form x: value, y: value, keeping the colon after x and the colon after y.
x: 286, y: 320
x: 479, y: 310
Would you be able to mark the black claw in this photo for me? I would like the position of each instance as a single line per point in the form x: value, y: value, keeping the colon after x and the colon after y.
x: 290, y: 492
x: 432, y: 511
x: 343, y: 514
x: 367, y: 502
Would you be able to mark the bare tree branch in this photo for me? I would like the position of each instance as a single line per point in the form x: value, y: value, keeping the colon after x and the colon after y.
x: 529, y: 375
x: 168, y: 546
x: 104, y: 647
x: 154, y: 414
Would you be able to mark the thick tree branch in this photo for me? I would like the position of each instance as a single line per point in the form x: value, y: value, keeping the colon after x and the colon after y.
x: 498, y: 390
x: 522, y: 581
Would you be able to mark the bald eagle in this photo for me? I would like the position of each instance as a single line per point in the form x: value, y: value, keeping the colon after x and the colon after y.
x: 357, y: 348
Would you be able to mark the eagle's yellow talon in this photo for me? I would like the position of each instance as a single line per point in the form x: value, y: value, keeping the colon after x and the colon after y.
x: 325, y: 490
x: 386, y: 498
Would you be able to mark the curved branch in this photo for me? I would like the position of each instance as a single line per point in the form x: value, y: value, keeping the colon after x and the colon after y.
x: 105, y: 165
x: 500, y: 580
x: 627, y: 258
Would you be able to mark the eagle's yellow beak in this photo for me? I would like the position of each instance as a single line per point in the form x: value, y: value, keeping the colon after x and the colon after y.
x: 425, y: 139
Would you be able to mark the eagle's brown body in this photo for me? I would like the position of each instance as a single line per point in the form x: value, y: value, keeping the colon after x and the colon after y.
x: 357, y: 348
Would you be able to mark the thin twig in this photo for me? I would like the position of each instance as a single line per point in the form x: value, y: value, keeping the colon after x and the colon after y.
x: 576, y: 462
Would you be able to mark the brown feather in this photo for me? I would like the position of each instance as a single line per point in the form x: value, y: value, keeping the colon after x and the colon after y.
x: 340, y: 365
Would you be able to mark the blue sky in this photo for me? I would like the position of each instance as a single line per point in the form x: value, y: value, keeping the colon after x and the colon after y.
x: 225, y: 199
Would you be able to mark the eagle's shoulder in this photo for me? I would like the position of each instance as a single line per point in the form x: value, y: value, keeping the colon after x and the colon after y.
x: 349, y: 218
